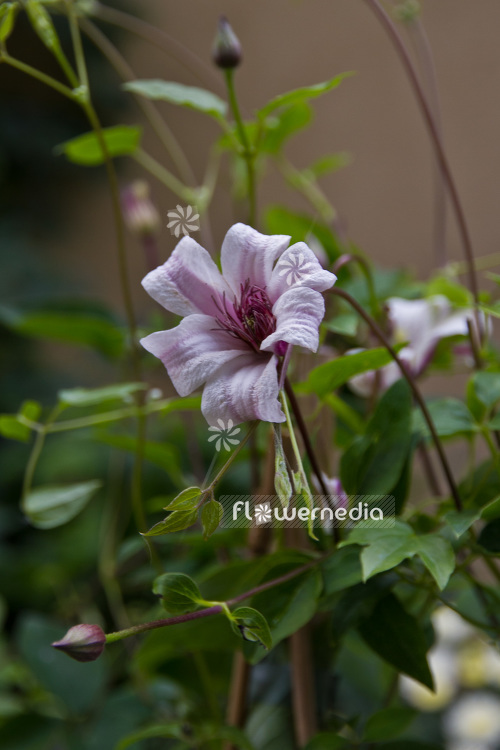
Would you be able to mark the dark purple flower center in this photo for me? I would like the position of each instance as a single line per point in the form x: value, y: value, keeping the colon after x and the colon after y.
x: 251, y: 318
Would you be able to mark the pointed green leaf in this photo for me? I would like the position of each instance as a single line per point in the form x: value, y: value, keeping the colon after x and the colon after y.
x: 301, y: 95
x: 120, y: 140
x: 438, y: 557
x: 176, y: 521
x: 177, y: 93
x: 252, y: 626
x: 8, y: 12
x: 388, y: 723
x: 187, y: 500
x: 397, y: 638
x: 461, y: 521
x: 331, y: 375
x: 451, y: 417
x: 179, y: 593
x: 83, y: 397
x: 48, y: 507
x: 211, y: 516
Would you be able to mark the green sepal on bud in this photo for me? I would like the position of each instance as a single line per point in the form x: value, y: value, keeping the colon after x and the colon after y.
x: 226, y: 52
x: 83, y: 642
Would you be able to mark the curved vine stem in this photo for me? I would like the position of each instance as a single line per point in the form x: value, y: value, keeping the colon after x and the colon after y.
x: 433, y: 128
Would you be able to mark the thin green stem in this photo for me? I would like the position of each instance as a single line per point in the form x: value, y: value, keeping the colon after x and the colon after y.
x: 215, y: 609
x: 42, y: 77
x: 77, y: 46
x: 247, y: 151
x: 164, y: 176
x: 230, y: 460
x: 149, y: 109
x: 416, y: 391
x: 367, y: 273
x: 154, y: 35
x: 405, y: 58
x: 309, y: 189
x: 35, y: 453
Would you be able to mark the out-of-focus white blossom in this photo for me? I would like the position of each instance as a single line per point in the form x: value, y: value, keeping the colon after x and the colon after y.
x: 442, y: 663
x: 474, y: 719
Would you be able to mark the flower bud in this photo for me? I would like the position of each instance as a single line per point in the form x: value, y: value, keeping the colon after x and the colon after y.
x: 226, y: 52
x: 140, y: 213
x: 83, y: 642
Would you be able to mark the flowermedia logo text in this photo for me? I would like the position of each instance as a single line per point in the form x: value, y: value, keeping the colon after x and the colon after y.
x: 325, y: 511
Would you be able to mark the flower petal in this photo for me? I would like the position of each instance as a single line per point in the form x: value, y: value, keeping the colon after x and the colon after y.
x: 244, y: 389
x: 298, y: 266
x: 248, y: 254
x: 298, y: 314
x: 193, y: 351
x: 186, y: 283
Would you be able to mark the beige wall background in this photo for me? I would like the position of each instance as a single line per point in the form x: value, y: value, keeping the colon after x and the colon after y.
x: 385, y: 196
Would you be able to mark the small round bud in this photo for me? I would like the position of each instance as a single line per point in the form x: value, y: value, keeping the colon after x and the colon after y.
x: 83, y: 642
x: 140, y: 213
x: 226, y: 52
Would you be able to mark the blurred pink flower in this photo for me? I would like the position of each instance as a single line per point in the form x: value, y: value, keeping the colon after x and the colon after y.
x: 421, y: 324
x: 237, y: 324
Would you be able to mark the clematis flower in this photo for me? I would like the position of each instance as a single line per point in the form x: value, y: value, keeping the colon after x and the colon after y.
x: 422, y: 323
x: 239, y: 323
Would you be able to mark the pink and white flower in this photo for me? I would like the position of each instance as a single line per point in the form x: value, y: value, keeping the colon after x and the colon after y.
x: 236, y: 324
x: 421, y: 324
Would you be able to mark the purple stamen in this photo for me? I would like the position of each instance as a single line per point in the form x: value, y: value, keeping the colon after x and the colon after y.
x: 251, y: 319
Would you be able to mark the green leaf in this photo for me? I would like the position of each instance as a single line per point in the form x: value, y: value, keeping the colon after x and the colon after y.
x: 489, y: 538
x: 11, y: 428
x: 341, y: 571
x: 8, y: 12
x: 458, y: 295
x: 329, y: 163
x: 290, y: 605
x: 385, y: 548
x: 374, y: 462
x: 451, y: 418
x: 68, y: 327
x: 83, y: 397
x: 187, y: 500
x: 331, y: 375
x: 211, y: 516
x: 120, y: 140
x: 30, y: 410
x: 437, y: 555
x: 397, y: 638
x: 179, y: 593
x: 42, y: 24
x: 280, y: 127
x: 491, y: 510
x: 301, y: 227
x: 252, y: 626
x: 388, y: 723
x: 301, y: 95
x: 48, y: 507
x: 176, y: 521
x: 461, y: 521
x: 487, y: 388
x: 177, y: 93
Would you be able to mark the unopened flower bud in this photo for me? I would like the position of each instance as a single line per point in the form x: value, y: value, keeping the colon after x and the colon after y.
x: 83, y: 642
x: 226, y: 52
x: 140, y: 213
